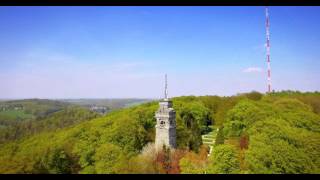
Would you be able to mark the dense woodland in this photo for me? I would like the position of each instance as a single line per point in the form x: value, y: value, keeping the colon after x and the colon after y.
x: 21, y: 118
x: 258, y: 133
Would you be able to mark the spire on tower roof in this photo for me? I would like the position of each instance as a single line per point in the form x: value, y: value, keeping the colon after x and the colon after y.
x: 166, y: 88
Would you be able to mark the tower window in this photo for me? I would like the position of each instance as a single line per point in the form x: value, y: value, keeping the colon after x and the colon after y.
x: 162, y: 123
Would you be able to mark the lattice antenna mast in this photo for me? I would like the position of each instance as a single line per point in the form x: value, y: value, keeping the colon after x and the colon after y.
x: 268, y: 48
x: 166, y: 88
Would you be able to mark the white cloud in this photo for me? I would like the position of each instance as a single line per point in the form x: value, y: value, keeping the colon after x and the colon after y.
x: 252, y: 70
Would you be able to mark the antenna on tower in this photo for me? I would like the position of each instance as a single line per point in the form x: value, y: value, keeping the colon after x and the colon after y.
x: 268, y: 48
x: 166, y: 88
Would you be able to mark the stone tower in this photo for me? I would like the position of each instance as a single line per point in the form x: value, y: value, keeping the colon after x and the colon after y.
x: 166, y: 122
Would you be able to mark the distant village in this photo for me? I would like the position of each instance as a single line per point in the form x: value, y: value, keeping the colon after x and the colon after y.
x: 8, y: 107
x: 99, y: 109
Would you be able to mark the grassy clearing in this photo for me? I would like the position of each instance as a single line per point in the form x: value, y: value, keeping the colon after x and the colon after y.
x: 209, y: 138
x: 14, y: 114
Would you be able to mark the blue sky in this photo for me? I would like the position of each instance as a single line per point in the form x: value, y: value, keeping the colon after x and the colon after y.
x: 121, y: 52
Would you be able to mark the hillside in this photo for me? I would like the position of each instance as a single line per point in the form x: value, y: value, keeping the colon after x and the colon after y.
x: 110, y: 104
x: 21, y: 118
x: 274, y: 133
x: 36, y: 108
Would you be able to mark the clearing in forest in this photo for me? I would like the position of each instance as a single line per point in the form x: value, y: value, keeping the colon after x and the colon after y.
x: 210, y: 138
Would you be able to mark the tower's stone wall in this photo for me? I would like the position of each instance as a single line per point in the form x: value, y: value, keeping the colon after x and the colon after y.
x: 166, y: 125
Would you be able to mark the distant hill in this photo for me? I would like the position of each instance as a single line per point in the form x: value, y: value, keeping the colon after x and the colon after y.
x: 20, y: 118
x: 34, y: 107
x: 109, y: 103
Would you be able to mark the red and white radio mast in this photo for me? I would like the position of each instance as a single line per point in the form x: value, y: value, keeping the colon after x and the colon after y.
x: 268, y: 48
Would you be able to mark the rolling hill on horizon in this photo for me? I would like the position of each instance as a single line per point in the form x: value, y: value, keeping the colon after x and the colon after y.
x: 24, y: 117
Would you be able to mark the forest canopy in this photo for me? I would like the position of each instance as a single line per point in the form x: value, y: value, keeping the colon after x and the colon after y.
x: 258, y: 133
